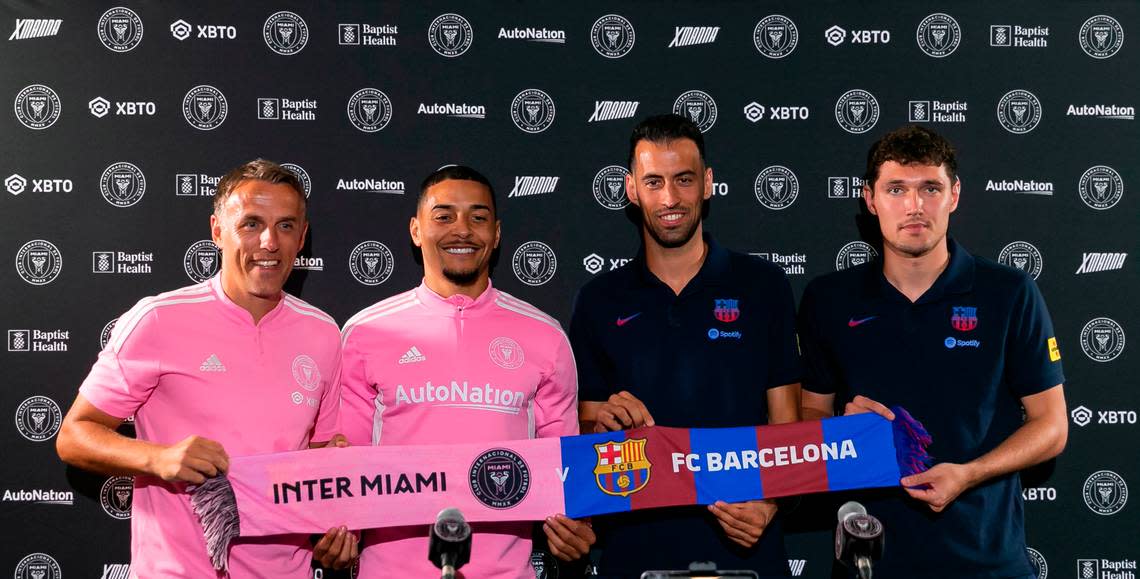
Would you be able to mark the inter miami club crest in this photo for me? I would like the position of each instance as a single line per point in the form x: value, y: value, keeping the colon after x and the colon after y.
x: 776, y: 187
x: 116, y: 495
x: 612, y: 36
x: 1101, y: 187
x: 609, y: 187
x: 1102, y: 339
x: 122, y: 184
x: 500, y: 478
x: 105, y: 335
x: 1019, y: 111
x: 202, y: 260
x: 1105, y: 492
x: 697, y: 106
x: 534, y: 263
x: 1024, y: 256
x: 726, y: 310
x: 120, y: 29
x: 939, y: 35
x: 857, y: 111
x: 853, y: 254
x: 306, y: 372
x: 285, y: 33
x: 506, y: 353
x: 532, y: 111
x: 964, y: 318
x: 38, y: 418
x: 775, y: 36
x: 623, y: 467
x: 204, y: 107
x: 450, y: 35
x: 371, y: 263
x: 1037, y: 560
x: 38, y: 566
x: 39, y: 262
x: 302, y: 176
x: 369, y: 110
x: 1101, y: 36
x: 37, y: 107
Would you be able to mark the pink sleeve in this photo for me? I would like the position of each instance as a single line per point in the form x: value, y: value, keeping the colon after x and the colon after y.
x: 358, y: 396
x: 328, y: 415
x: 128, y: 368
x: 556, y: 400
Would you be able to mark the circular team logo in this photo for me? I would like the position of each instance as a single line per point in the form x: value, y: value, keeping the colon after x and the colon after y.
x: 302, y: 176
x: 532, y: 111
x: 506, y: 353
x: 202, y: 260
x: 1040, y: 567
x: 857, y: 111
x: 204, y: 107
x: 775, y: 36
x: 939, y: 35
x: 285, y: 33
x: 1101, y: 36
x: 853, y: 254
x: 1102, y: 339
x: 1105, y: 492
x: 697, y: 106
x: 777, y: 187
x: 122, y: 184
x: 38, y: 566
x: 609, y: 187
x: 120, y: 29
x: 534, y: 263
x: 105, y: 335
x: 371, y: 263
x: 1024, y: 256
x: 39, y: 262
x: 1101, y: 187
x: 1019, y: 111
x: 450, y: 35
x: 37, y: 107
x: 369, y: 110
x: 612, y: 36
x: 116, y: 497
x: 38, y: 418
x: 306, y: 372
x: 500, y: 478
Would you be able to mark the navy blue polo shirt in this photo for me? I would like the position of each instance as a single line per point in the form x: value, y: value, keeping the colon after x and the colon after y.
x: 959, y: 359
x: 704, y: 358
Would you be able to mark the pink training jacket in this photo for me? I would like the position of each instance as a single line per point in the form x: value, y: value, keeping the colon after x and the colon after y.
x: 423, y: 369
x: 192, y: 362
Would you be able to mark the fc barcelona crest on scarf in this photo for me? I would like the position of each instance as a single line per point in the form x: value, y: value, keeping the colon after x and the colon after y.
x: 623, y: 468
x: 964, y: 319
x: 726, y: 310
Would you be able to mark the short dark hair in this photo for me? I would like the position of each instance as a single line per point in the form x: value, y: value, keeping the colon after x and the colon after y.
x: 455, y: 173
x: 911, y: 144
x: 257, y: 170
x: 663, y: 129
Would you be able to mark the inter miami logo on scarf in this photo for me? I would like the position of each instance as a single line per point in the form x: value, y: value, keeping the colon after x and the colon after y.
x: 726, y: 310
x: 964, y: 318
x: 623, y: 467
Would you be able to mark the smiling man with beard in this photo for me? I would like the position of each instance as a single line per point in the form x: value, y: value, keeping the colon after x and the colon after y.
x: 689, y: 334
x: 457, y: 360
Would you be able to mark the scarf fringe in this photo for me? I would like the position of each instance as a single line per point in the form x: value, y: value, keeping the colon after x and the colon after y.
x: 214, y: 503
x: 911, y: 442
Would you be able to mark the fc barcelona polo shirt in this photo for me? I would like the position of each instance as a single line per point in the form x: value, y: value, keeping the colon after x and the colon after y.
x: 704, y: 358
x: 959, y: 358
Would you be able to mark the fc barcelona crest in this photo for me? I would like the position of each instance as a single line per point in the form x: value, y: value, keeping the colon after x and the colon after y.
x: 623, y: 467
x: 964, y: 319
x: 726, y: 310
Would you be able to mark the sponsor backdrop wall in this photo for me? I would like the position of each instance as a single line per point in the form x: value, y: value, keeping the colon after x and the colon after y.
x: 120, y: 120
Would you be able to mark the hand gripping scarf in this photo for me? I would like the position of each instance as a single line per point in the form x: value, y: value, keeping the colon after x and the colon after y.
x: 521, y: 480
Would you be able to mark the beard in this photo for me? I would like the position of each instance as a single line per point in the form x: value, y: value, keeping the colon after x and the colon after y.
x: 671, y: 239
x: 462, y: 277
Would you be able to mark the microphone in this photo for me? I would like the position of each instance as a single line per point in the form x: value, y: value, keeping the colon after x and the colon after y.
x: 858, y: 538
x: 449, y: 543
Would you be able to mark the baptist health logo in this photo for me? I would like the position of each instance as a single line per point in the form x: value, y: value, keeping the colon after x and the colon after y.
x: 38, y: 340
x: 1106, y: 569
x: 367, y: 34
x: 282, y: 109
x: 844, y: 187
x: 121, y: 262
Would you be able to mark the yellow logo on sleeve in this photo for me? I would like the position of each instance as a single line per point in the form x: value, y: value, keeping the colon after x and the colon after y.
x: 1054, y: 352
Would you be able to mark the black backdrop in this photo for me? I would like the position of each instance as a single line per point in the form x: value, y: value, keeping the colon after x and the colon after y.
x: 112, y: 147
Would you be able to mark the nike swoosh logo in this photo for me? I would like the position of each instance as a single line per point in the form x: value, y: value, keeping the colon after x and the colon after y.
x: 853, y: 322
x: 623, y: 321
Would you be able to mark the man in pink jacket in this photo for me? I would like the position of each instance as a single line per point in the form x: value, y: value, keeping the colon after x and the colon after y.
x: 456, y: 360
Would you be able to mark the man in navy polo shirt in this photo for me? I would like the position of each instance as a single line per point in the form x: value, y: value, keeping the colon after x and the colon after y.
x: 962, y: 343
x: 688, y: 334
